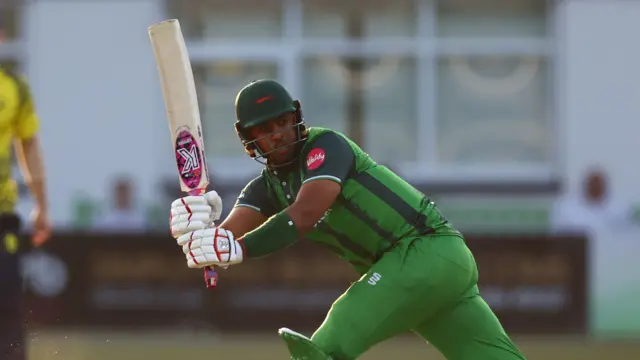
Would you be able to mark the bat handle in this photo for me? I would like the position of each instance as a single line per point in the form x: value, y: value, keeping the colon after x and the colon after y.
x: 210, y: 274
x: 197, y: 192
x: 210, y: 277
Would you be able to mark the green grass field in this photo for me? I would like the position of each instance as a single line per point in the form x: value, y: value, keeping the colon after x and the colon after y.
x: 103, y: 345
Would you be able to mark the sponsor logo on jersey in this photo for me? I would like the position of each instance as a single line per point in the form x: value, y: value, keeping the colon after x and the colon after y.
x: 315, y: 159
x: 375, y: 277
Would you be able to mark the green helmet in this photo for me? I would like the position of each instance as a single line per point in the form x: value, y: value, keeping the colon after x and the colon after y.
x: 259, y: 102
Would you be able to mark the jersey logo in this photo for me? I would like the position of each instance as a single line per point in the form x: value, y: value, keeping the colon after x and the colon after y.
x: 375, y: 277
x: 315, y: 159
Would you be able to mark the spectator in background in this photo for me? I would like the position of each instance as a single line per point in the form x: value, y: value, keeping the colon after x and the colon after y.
x: 124, y: 216
x: 595, y: 208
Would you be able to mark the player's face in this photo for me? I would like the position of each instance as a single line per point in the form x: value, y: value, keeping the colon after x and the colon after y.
x: 275, y: 138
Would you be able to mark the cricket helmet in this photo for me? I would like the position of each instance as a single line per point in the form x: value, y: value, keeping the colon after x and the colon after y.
x: 259, y: 102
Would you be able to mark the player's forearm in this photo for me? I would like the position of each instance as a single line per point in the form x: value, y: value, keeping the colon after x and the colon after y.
x: 275, y: 234
x: 242, y: 220
x: 29, y: 155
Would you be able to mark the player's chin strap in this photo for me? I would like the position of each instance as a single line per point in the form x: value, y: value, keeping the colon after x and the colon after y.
x: 261, y: 157
x: 301, y: 347
x: 252, y: 148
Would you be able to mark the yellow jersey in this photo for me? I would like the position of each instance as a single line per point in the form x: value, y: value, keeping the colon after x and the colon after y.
x: 18, y: 121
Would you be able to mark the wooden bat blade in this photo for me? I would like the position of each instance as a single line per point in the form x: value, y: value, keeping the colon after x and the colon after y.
x: 181, y: 104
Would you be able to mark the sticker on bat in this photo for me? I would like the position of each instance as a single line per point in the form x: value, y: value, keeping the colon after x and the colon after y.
x: 188, y: 159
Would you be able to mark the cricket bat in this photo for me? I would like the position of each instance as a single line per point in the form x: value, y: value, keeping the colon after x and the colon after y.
x: 183, y: 113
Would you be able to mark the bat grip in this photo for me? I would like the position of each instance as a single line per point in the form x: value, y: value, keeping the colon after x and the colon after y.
x: 197, y: 192
x: 210, y: 275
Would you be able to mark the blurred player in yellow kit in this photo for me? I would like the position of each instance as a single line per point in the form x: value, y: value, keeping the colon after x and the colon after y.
x: 18, y: 130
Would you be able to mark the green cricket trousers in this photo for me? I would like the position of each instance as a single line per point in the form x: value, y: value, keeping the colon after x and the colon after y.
x: 427, y: 285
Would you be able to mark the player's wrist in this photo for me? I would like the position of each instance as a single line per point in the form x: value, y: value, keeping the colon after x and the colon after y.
x: 242, y: 246
x: 275, y: 234
x: 236, y: 250
x: 240, y: 252
x: 41, y: 207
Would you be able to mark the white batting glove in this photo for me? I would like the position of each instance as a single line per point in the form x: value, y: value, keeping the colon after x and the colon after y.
x: 213, y: 246
x: 192, y: 213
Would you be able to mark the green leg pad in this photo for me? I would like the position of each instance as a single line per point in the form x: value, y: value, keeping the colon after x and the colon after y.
x: 301, y: 347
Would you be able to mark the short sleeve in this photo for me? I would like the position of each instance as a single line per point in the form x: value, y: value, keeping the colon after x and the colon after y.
x: 255, y: 195
x: 329, y: 157
x: 27, y: 122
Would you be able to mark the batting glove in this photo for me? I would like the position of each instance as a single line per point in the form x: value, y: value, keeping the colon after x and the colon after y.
x: 214, y: 246
x: 192, y: 213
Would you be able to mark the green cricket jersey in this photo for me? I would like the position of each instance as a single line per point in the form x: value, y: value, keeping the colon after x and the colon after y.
x: 374, y: 210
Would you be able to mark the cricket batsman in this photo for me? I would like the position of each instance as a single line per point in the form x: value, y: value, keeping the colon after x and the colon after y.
x: 18, y: 126
x: 417, y: 272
